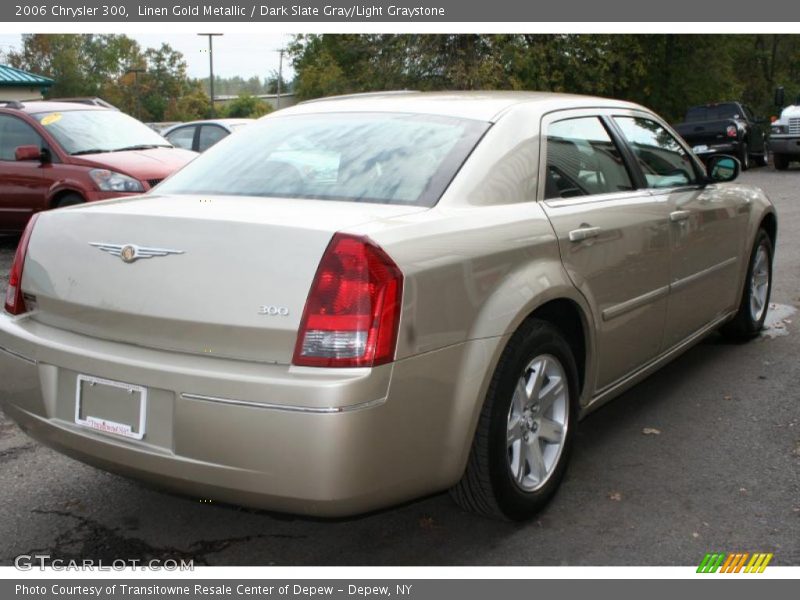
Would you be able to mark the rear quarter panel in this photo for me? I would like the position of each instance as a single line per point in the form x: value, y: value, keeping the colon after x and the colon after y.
x: 476, y: 266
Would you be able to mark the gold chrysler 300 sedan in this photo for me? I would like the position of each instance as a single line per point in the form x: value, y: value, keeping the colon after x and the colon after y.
x: 366, y: 299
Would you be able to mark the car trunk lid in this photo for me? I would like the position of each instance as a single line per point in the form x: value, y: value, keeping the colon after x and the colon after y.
x: 228, y: 276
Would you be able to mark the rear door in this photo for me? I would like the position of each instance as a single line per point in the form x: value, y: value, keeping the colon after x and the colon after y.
x: 613, y: 236
x: 22, y: 183
x: 706, y: 227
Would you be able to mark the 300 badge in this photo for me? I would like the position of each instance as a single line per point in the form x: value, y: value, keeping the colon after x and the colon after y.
x: 273, y: 311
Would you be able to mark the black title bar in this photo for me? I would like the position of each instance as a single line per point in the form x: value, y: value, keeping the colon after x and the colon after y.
x: 414, y: 11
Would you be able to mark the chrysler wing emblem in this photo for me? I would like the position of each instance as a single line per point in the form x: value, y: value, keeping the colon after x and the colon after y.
x: 131, y: 252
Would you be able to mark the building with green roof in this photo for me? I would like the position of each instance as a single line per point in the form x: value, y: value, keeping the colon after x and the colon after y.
x: 16, y: 84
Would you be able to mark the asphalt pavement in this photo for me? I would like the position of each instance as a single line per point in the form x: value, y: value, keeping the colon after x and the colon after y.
x: 702, y: 456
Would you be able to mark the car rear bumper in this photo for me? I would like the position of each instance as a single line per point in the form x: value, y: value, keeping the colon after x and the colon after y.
x: 312, y: 441
x: 784, y: 145
x: 705, y: 151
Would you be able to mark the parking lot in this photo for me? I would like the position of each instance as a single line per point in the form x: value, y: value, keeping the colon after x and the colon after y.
x: 703, y: 456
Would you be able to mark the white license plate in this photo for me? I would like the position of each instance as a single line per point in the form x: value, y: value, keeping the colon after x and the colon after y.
x: 111, y: 406
x: 700, y: 149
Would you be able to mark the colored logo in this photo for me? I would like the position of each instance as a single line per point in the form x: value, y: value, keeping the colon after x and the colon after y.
x: 734, y: 562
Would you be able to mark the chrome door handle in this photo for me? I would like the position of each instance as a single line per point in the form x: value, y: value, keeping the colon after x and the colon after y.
x: 676, y: 216
x: 584, y: 233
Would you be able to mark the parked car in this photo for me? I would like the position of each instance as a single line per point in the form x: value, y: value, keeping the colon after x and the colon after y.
x: 785, y: 136
x: 201, y: 135
x: 728, y: 128
x: 55, y: 154
x: 431, y: 301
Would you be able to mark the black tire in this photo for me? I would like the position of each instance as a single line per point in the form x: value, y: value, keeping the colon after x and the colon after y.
x: 745, y: 325
x: 487, y: 487
x: 68, y: 200
x: 781, y: 161
x: 763, y: 159
x: 744, y: 156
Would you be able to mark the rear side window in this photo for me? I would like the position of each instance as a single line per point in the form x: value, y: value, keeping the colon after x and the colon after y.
x: 713, y: 113
x: 14, y: 133
x: 663, y: 160
x: 582, y: 159
x: 210, y: 135
x: 183, y: 137
x: 362, y: 157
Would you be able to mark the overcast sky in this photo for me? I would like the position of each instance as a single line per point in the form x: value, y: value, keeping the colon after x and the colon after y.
x: 243, y: 54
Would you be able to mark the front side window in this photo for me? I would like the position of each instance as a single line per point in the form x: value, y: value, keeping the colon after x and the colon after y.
x: 15, y: 133
x: 663, y: 160
x: 582, y: 159
x: 362, y: 157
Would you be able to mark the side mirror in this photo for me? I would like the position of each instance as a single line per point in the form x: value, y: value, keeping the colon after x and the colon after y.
x: 29, y: 153
x: 722, y: 168
x: 780, y: 96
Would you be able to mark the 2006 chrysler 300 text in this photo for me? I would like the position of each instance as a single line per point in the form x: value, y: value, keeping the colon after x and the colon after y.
x: 366, y: 299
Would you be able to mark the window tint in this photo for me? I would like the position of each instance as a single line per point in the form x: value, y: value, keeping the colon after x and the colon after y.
x: 13, y: 133
x: 182, y: 138
x: 663, y: 160
x: 362, y: 157
x: 582, y: 159
x: 210, y: 135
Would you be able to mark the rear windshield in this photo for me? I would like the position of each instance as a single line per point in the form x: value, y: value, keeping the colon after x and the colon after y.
x: 95, y: 131
x: 717, y: 112
x: 361, y: 157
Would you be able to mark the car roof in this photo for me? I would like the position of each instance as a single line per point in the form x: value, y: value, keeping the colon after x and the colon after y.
x: 41, y: 106
x: 483, y: 105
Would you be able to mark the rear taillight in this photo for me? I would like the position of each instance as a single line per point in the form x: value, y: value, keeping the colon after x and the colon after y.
x: 15, y: 303
x: 731, y: 131
x: 353, y: 309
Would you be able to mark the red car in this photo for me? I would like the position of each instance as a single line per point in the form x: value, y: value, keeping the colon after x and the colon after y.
x: 55, y: 154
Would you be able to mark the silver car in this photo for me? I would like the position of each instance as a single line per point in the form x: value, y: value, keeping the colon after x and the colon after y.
x: 201, y: 135
x: 362, y: 300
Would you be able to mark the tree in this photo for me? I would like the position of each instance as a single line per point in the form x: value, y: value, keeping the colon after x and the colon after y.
x: 150, y: 84
x: 664, y: 72
x: 246, y: 106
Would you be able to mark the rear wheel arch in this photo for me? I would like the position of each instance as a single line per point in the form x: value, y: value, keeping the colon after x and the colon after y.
x: 570, y: 319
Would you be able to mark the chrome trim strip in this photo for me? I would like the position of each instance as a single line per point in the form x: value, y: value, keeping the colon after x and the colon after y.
x: 16, y: 210
x: 688, y: 187
x: 676, y: 285
x: 324, y: 410
x: 612, y: 312
x: 18, y: 355
x: 592, y: 198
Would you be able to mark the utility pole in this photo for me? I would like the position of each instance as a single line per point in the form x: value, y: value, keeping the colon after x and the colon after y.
x: 211, y: 67
x: 280, y: 78
x: 136, y: 72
